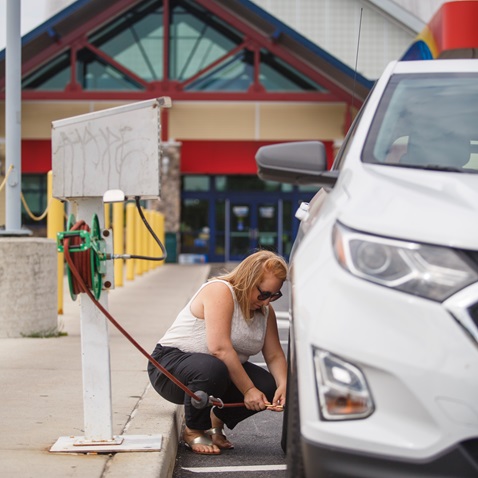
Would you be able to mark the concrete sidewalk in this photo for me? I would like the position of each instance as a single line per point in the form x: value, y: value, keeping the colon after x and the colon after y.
x: 41, y: 394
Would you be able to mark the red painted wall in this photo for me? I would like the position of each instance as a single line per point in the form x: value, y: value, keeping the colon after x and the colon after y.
x: 36, y: 156
x: 197, y: 157
x: 226, y: 157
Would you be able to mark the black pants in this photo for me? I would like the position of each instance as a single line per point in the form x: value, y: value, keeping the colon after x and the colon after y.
x: 207, y: 373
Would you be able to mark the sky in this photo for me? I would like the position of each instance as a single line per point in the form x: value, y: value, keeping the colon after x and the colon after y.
x: 35, y: 12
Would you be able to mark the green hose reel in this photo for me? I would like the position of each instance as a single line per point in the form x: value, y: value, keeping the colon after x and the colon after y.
x: 87, y: 248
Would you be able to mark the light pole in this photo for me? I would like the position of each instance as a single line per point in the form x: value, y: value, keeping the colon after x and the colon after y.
x: 13, y: 101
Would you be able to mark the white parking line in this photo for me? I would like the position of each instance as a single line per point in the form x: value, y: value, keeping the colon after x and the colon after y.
x: 229, y: 469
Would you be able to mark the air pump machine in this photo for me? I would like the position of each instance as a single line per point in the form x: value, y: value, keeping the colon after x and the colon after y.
x: 105, y: 156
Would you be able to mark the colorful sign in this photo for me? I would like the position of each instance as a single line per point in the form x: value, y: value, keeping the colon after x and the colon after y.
x: 451, y: 33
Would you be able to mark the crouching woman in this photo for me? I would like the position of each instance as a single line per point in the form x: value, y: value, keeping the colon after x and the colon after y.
x: 228, y: 320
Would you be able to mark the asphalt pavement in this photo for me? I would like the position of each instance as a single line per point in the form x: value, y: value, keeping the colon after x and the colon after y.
x: 41, y: 392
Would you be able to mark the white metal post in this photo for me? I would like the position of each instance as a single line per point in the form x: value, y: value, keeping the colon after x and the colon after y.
x: 95, y: 351
x: 96, y: 370
x: 13, y: 120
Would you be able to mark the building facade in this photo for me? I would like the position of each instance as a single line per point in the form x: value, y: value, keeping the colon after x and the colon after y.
x: 238, y: 78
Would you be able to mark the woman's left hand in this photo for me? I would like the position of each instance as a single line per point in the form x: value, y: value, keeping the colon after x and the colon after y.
x: 278, y: 403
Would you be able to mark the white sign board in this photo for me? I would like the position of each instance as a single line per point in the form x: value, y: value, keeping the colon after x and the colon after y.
x: 117, y: 148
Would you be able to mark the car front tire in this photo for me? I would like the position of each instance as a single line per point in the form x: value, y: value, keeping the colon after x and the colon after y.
x: 295, y: 464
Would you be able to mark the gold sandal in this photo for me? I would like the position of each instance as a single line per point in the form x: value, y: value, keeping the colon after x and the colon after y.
x: 219, y: 431
x: 200, y: 440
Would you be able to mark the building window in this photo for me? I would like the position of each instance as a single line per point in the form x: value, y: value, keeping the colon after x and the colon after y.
x: 197, y: 39
x: 135, y: 40
x: 306, y: 188
x: 194, y: 226
x: 276, y: 75
x: 95, y: 74
x: 196, y: 183
x: 245, y: 183
x: 202, y: 49
x: 34, y: 189
x: 51, y: 77
x: 234, y: 74
x: 220, y: 225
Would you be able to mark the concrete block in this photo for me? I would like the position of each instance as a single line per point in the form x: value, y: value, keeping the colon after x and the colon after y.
x: 28, y: 287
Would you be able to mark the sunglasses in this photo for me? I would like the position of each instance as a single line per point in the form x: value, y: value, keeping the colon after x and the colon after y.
x: 265, y: 295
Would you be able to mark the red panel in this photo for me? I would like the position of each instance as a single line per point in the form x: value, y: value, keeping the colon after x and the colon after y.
x: 226, y: 157
x: 197, y: 157
x: 36, y: 156
x: 455, y: 25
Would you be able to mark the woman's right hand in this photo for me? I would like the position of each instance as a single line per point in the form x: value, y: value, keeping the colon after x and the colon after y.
x: 254, y: 399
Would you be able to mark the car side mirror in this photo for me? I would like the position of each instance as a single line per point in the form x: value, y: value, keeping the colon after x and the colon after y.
x: 303, y: 162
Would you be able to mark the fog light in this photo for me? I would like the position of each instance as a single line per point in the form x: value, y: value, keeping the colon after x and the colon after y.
x: 342, y: 389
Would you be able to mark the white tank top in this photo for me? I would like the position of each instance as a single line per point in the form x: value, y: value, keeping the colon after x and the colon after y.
x: 188, y: 333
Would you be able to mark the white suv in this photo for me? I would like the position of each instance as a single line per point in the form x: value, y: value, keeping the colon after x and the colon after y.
x: 384, y: 284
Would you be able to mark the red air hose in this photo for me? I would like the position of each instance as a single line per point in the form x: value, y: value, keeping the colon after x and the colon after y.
x: 80, y: 266
x: 82, y: 259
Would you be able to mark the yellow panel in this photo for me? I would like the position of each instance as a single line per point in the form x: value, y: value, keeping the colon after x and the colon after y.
x: 38, y: 115
x: 299, y: 121
x: 209, y: 120
x: 257, y: 121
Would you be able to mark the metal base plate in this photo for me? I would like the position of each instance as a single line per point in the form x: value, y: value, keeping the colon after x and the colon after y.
x: 120, y: 443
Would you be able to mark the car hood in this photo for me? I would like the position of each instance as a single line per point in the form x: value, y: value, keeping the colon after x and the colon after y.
x: 419, y: 205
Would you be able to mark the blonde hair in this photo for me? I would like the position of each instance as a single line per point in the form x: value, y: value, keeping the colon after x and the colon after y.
x: 251, y: 271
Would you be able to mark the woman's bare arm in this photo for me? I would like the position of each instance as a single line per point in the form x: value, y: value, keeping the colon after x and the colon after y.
x: 217, y: 306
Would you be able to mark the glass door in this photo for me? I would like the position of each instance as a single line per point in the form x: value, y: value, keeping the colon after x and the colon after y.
x: 268, y: 225
x: 252, y: 225
x: 241, y: 230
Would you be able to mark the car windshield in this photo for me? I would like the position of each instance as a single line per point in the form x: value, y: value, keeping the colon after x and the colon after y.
x: 428, y: 122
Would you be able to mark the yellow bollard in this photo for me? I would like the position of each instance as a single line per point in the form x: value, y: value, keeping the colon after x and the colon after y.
x: 156, y: 248
x: 144, y: 243
x: 150, y: 239
x: 118, y: 241
x: 130, y: 236
x: 138, y: 243
x: 161, y: 234
x: 146, y: 237
x: 106, y: 210
x: 56, y: 223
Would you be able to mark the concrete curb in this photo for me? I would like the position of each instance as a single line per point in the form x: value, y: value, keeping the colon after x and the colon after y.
x: 152, y: 416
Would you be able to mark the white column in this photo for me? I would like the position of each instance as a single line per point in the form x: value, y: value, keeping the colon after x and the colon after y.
x: 95, y: 349
x: 13, y: 119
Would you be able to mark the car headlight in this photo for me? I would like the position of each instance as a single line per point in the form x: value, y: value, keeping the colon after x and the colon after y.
x: 342, y: 389
x: 428, y: 271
